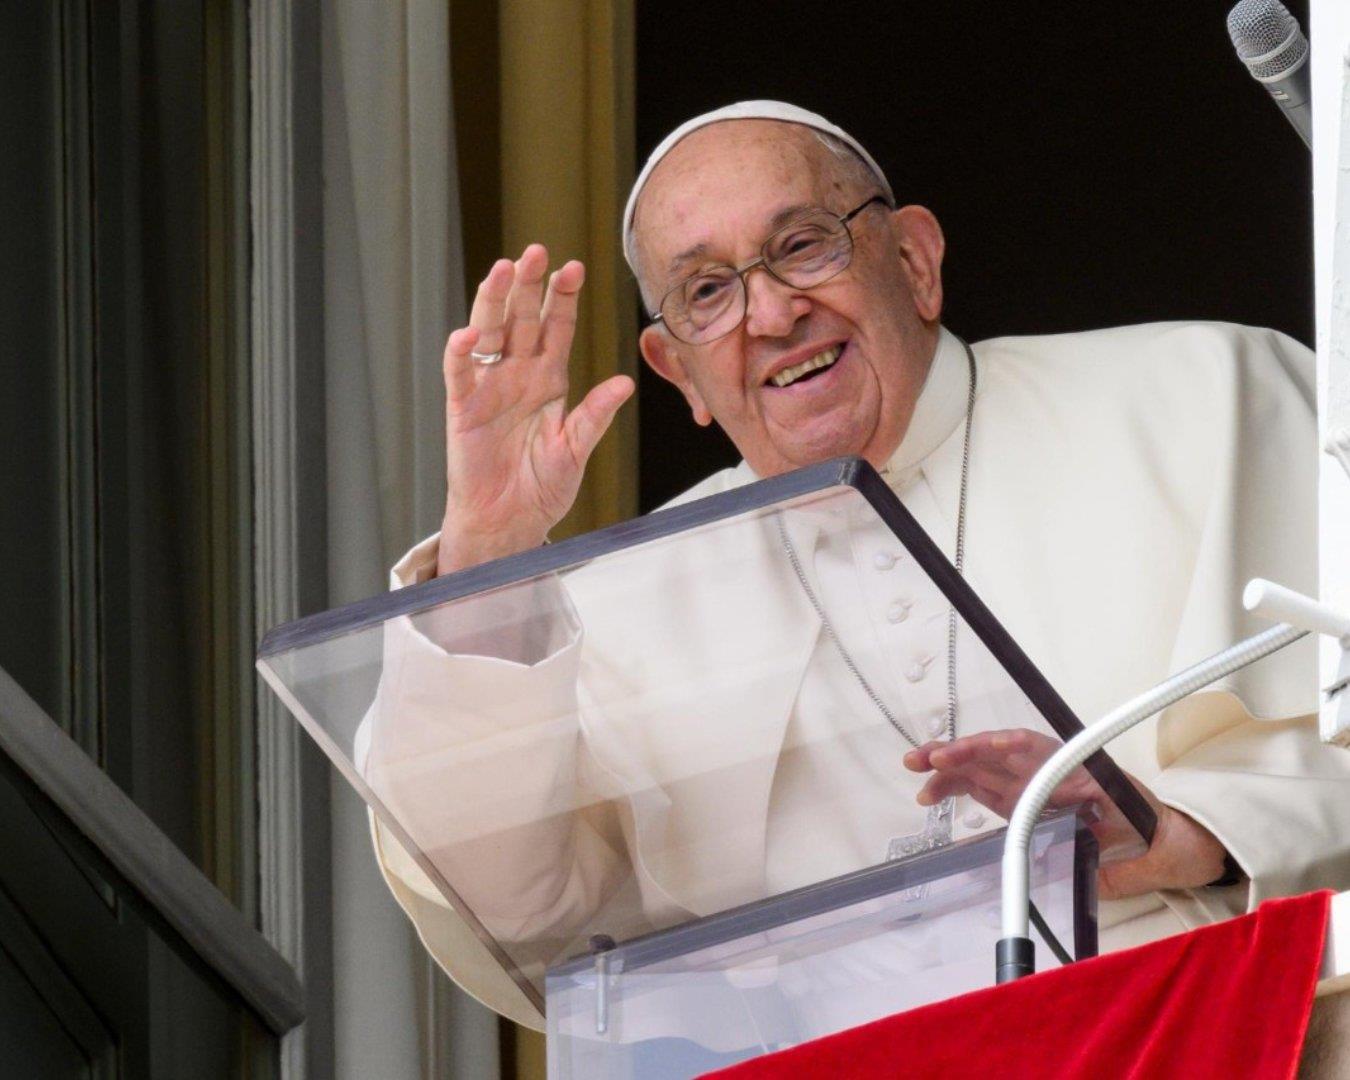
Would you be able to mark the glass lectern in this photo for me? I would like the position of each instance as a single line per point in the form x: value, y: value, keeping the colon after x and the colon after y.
x: 812, y: 962
x: 653, y: 777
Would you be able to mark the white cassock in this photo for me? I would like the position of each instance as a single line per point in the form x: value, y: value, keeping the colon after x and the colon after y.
x: 1124, y: 485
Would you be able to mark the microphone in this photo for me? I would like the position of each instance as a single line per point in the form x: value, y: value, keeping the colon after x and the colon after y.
x: 1268, y: 40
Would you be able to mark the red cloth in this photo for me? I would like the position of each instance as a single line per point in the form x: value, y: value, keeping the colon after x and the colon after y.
x: 1228, y: 1000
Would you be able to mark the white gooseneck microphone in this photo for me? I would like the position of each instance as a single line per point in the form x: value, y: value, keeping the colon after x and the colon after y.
x: 1268, y: 40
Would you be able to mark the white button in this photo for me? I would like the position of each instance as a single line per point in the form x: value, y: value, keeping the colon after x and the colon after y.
x: 898, y: 611
x: 973, y: 818
x: 918, y: 669
x: 883, y: 560
x: 936, y: 723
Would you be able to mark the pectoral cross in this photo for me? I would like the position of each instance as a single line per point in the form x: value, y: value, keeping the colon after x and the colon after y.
x: 936, y: 833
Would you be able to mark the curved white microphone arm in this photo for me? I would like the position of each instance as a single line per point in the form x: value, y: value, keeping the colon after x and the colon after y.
x: 1284, y: 605
x: 1275, y: 602
x: 1016, y: 847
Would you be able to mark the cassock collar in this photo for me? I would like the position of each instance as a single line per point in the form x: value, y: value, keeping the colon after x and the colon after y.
x: 940, y: 409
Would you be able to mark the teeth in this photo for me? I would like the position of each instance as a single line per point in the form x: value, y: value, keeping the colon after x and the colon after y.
x: 820, y: 360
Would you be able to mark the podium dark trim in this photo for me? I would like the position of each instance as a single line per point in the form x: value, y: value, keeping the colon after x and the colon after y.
x: 870, y: 883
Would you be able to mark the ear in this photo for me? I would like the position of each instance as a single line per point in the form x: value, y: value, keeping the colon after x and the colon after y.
x: 922, y: 246
x: 663, y: 356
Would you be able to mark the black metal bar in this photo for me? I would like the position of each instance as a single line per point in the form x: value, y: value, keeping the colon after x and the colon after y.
x: 144, y: 866
x: 1005, y: 648
x: 1085, y: 858
x: 1047, y: 935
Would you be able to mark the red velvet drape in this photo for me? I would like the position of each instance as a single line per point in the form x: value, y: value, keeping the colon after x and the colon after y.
x: 1228, y: 1000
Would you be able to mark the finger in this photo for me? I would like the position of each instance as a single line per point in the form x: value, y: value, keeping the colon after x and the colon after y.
x: 1006, y: 785
x: 560, y: 309
x: 920, y: 758
x: 522, y: 306
x: 1016, y: 748
x: 1029, y: 761
x: 956, y: 754
x: 994, y: 800
x: 965, y: 752
x: 1021, y: 741
x: 588, y: 422
x: 942, y: 786
x: 983, y: 764
x: 488, y: 315
x: 1081, y: 790
x: 990, y: 776
x: 458, y: 365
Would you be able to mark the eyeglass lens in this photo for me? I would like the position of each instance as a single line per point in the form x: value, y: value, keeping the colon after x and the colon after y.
x: 803, y: 254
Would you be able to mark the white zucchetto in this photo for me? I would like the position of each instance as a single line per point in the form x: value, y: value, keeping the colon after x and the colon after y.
x: 742, y: 110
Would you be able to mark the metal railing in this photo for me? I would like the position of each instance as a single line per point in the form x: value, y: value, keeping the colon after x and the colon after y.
x: 100, y: 821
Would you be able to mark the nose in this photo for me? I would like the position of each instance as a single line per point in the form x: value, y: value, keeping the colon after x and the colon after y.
x: 771, y: 308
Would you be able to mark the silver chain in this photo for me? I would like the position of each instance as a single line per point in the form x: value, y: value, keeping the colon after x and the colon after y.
x: 959, y: 555
x: 958, y: 561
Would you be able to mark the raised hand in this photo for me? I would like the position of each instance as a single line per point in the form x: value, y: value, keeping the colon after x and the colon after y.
x: 514, y: 454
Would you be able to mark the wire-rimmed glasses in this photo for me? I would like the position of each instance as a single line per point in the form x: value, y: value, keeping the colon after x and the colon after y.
x: 802, y: 254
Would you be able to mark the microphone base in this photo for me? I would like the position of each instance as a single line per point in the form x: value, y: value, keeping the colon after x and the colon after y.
x: 1014, y: 958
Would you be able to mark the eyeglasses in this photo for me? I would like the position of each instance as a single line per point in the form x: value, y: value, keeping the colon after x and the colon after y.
x: 806, y: 253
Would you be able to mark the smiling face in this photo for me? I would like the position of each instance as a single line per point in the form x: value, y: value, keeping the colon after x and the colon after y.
x: 714, y: 199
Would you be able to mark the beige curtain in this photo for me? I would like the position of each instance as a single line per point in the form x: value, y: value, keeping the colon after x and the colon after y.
x: 566, y: 96
x: 393, y: 289
x: 561, y: 145
x: 567, y: 161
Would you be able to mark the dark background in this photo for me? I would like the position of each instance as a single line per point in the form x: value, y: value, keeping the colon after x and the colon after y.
x: 1091, y: 165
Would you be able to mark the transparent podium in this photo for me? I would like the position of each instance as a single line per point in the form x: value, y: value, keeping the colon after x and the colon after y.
x: 647, y: 788
x: 819, y: 960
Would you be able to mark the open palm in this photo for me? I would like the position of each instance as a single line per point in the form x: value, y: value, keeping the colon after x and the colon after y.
x: 515, y: 456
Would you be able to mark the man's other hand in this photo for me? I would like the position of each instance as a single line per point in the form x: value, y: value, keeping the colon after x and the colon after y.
x: 994, y: 767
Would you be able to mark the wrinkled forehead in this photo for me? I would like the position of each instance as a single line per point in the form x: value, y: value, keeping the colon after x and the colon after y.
x: 728, y: 185
x: 736, y: 147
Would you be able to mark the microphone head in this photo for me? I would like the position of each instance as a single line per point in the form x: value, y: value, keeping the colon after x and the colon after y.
x: 1267, y: 38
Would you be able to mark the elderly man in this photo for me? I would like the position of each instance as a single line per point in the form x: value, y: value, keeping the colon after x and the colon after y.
x: 1121, y: 486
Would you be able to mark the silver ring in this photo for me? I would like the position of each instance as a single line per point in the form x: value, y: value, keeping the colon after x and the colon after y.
x: 485, y: 358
